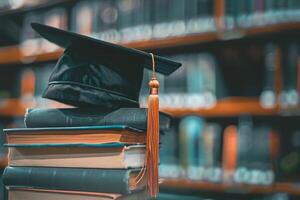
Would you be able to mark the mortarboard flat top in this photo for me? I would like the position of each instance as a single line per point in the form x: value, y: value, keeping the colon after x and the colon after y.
x: 98, y: 73
x: 66, y: 38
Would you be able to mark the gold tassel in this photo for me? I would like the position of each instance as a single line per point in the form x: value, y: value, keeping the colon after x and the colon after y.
x: 150, y: 168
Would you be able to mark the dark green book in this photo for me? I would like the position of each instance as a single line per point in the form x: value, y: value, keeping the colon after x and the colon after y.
x: 73, y: 179
x: 72, y: 117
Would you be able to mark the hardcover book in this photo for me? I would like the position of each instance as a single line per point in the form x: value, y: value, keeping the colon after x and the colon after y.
x: 114, y: 156
x: 71, y: 117
x: 75, y: 135
x: 119, y: 181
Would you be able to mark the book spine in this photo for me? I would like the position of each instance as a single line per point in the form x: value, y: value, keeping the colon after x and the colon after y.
x: 190, y: 129
x: 169, y: 158
x: 230, y: 150
x: 289, y: 96
x: 245, y: 130
x: 88, y: 180
x: 268, y: 95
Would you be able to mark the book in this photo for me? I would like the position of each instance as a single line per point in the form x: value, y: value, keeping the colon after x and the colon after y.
x: 71, y: 117
x: 245, y: 131
x: 55, y: 17
x: 196, y: 85
x: 107, y: 21
x: 119, y: 181
x: 289, y: 96
x: 210, y: 153
x: 30, y: 40
x: 268, y: 94
x: 84, y: 16
x: 261, y: 165
x: 169, y: 153
x: 37, y: 194
x: 88, y: 156
x: 230, y: 149
x: 61, y: 136
x: 190, y: 130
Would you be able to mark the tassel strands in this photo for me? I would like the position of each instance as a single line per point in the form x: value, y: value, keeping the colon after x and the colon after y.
x: 153, y: 136
x: 150, y: 168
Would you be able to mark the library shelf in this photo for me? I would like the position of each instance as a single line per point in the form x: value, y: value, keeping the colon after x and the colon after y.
x: 17, y: 107
x: 228, y: 107
x: 185, y: 184
x: 13, y: 54
x: 13, y: 107
x: 224, y: 108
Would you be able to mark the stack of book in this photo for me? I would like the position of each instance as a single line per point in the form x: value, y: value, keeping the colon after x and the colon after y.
x: 72, y: 153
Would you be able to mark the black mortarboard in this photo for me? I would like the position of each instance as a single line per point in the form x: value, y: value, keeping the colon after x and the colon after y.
x: 97, y: 73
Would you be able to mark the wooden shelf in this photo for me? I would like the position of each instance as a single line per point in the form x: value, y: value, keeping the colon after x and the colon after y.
x: 224, y: 108
x: 17, y: 107
x: 13, y: 107
x: 183, y: 184
x: 227, y: 108
x: 13, y: 55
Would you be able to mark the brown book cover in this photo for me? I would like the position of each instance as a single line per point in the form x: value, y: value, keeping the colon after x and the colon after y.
x: 75, y: 135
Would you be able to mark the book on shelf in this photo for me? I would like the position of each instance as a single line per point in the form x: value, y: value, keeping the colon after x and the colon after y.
x: 287, y: 164
x: 245, y: 132
x: 248, y: 150
x: 196, y: 85
x: 200, y: 149
x: 246, y: 14
x: 141, y: 20
x: 56, y: 17
x: 31, y: 43
x: 84, y: 15
x: 268, y: 96
x: 134, y: 22
x: 190, y: 129
x: 107, y: 24
x: 289, y: 95
x: 229, y: 153
x: 29, y: 39
x: 254, y: 165
x: 169, y: 153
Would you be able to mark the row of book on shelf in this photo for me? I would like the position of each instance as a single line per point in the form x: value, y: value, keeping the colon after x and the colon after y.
x: 246, y: 150
x: 205, y: 78
x: 139, y: 20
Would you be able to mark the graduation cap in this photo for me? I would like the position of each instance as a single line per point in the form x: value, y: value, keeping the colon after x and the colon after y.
x: 92, y: 72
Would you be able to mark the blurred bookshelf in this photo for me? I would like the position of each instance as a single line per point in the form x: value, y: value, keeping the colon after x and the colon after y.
x: 185, y: 184
x: 235, y: 101
x: 227, y: 108
x: 13, y: 54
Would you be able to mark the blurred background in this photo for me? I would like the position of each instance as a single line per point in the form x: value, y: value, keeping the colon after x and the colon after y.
x: 235, y: 101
